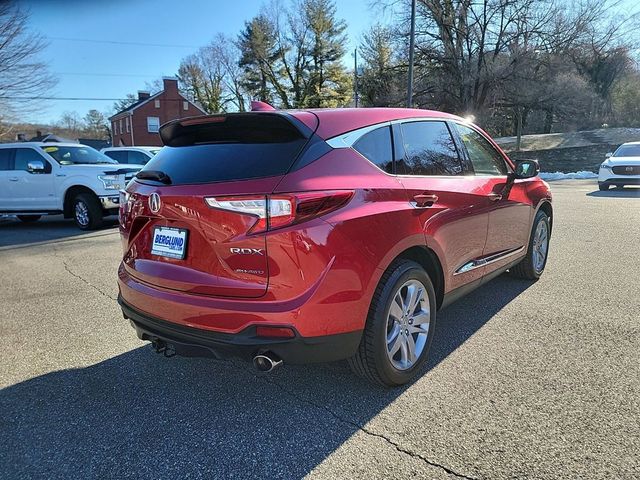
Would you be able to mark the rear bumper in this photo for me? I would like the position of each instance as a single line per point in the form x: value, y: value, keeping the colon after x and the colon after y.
x: 194, y: 342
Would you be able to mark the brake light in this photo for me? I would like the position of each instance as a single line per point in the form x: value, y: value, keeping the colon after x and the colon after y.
x: 278, y: 211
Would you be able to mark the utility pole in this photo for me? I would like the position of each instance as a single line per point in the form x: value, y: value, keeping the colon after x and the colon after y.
x: 412, y: 41
x: 355, y: 75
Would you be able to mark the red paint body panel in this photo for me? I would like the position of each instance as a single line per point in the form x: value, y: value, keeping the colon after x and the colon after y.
x: 318, y: 276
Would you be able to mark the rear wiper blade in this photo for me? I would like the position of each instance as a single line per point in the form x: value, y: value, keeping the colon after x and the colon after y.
x: 156, y: 175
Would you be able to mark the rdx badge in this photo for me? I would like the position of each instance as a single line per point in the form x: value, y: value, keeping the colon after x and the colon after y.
x: 247, y: 251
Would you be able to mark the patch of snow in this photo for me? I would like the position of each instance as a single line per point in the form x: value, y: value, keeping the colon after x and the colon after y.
x: 583, y: 174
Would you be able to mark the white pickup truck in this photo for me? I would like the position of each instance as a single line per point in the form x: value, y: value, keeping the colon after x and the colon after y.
x: 60, y: 178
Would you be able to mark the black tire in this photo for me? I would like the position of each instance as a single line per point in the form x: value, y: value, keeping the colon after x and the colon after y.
x: 29, y: 218
x: 526, y: 269
x: 603, y: 186
x: 371, y: 360
x: 93, y: 217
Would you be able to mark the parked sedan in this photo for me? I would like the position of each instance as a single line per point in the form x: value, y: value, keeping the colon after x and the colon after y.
x: 133, y: 155
x: 310, y: 236
x: 621, y: 167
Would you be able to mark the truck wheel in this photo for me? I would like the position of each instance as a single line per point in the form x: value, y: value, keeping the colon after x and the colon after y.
x: 400, y: 326
x: 29, y: 218
x: 87, y: 211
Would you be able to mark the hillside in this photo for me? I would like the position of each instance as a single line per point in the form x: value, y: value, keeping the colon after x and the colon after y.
x: 603, y: 136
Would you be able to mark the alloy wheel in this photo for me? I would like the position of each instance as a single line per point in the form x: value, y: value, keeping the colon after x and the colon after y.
x: 540, y: 246
x: 408, y: 324
x: 82, y: 213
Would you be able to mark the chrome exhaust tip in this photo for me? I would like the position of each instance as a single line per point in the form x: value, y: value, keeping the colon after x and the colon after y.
x: 266, y: 362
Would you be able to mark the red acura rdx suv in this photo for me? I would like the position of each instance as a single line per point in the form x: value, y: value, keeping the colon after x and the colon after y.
x: 320, y: 235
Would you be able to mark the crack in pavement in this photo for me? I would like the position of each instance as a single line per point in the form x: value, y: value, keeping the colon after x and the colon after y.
x: 360, y: 427
x: 66, y: 267
x: 80, y: 277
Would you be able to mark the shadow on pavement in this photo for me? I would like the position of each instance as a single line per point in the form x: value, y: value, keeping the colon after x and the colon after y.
x: 52, y: 228
x: 627, y: 192
x: 138, y: 414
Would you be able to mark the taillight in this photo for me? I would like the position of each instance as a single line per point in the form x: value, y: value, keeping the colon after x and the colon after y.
x: 277, y: 211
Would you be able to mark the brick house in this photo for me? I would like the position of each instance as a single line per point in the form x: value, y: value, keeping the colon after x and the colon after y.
x: 138, y: 124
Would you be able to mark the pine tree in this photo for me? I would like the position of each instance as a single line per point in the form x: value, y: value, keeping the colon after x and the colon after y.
x: 329, y: 82
x: 257, y: 42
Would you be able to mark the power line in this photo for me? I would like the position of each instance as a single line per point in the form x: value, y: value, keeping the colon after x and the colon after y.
x: 82, y: 74
x: 117, y: 42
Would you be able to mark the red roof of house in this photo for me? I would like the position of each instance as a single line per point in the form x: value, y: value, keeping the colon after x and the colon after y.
x: 334, y: 121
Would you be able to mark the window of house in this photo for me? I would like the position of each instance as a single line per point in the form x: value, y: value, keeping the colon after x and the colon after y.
x: 376, y: 147
x: 121, y: 126
x: 113, y: 128
x: 126, y: 121
x: 485, y: 159
x: 429, y: 150
x: 185, y: 105
x: 157, y: 103
x: 153, y: 124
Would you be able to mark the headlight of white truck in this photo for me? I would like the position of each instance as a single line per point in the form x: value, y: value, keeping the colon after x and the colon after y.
x: 110, y: 182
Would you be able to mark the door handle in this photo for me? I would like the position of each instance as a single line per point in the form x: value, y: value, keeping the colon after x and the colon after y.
x: 494, y: 197
x: 13, y: 179
x: 425, y: 199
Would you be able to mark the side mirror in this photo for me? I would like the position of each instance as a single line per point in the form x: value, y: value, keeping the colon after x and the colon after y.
x: 35, y: 166
x: 608, y: 154
x: 527, y: 169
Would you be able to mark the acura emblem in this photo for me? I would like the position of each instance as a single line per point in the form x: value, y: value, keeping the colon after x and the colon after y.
x: 154, y: 202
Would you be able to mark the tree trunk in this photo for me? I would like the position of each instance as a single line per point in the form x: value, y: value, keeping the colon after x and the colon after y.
x: 548, y: 121
x: 518, y: 127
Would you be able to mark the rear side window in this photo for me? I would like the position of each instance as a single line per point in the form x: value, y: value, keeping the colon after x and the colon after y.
x: 235, y: 147
x: 6, y: 157
x: 117, y: 155
x: 137, y: 158
x: 429, y: 150
x: 377, y: 148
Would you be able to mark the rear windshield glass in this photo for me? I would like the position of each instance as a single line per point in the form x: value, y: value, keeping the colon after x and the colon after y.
x: 239, y: 147
x: 628, y: 151
x: 225, y: 161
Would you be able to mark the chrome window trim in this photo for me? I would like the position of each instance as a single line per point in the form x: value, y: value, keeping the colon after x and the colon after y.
x: 347, y: 140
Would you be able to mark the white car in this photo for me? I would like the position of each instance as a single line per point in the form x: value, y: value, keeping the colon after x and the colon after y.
x: 131, y: 155
x: 621, y: 167
x: 39, y: 178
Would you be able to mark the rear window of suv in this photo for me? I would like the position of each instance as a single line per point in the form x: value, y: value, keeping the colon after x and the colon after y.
x: 240, y: 147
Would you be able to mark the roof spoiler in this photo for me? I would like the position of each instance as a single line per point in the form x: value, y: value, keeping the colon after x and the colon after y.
x: 257, y: 106
x: 245, y: 127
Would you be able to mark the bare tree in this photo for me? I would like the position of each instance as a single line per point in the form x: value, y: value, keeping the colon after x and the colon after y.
x: 212, y: 77
x: 23, y: 78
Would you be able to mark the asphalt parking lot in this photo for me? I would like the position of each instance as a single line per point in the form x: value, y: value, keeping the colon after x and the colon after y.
x: 525, y: 380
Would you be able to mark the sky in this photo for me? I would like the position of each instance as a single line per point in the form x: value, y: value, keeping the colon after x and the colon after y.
x: 83, y: 56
